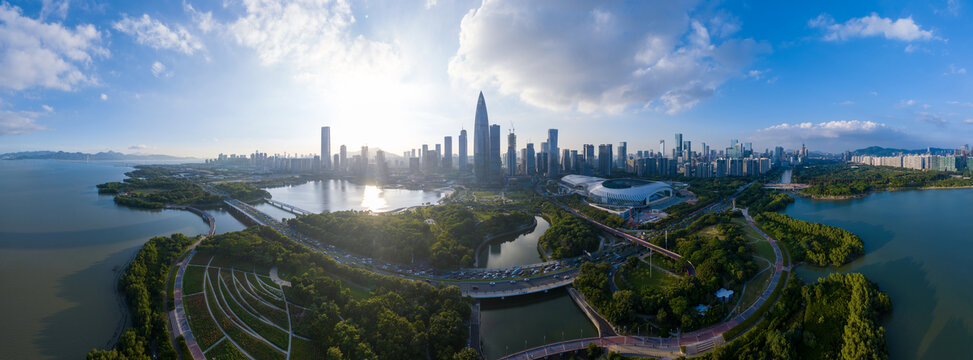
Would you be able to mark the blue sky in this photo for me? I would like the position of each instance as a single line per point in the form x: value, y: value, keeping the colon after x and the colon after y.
x: 198, y: 78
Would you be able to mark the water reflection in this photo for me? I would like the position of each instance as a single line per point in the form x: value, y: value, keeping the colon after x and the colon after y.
x: 373, y: 198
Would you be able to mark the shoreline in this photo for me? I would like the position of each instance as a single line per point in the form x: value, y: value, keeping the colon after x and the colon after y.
x: 863, y: 195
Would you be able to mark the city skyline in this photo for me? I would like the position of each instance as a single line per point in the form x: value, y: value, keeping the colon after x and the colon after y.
x: 202, y: 78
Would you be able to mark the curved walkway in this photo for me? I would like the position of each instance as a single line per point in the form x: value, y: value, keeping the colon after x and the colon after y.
x: 178, y: 323
x: 696, y: 342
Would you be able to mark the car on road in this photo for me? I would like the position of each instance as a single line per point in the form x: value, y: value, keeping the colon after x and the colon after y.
x: 493, y: 283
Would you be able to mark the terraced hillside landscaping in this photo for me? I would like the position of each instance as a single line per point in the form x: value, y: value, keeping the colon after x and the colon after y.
x: 239, y: 313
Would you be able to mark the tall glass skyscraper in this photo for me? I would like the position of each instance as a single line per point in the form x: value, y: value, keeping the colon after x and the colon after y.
x: 481, y: 142
x: 495, y: 160
x: 678, y: 149
x: 553, y: 163
x: 448, y: 153
x: 462, y: 150
x: 511, y: 154
x: 325, y: 148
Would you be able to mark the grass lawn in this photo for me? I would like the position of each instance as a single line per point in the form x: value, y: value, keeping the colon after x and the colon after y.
x: 765, y: 250
x: 192, y: 280
x: 755, y: 288
x: 640, y: 277
x: 273, y: 334
x: 252, y: 346
x: 204, y: 329
x: 199, y: 259
x: 748, y: 231
x: 225, y: 350
x: 302, y: 349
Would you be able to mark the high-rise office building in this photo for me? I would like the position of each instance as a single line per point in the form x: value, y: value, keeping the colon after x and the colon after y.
x: 364, y: 160
x: 605, y: 159
x: 438, y: 161
x: 554, y: 164
x: 424, y: 156
x: 589, y: 159
x: 343, y: 153
x: 462, y: 150
x: 448, y: 153
x: 481, y: 142
x: 622, y: 155
x: 511, y: 154
x: 495, y: 160
x: 566, y: 160
x: 530, y: 168
x: 325, y: 148
x: 662, y: 148
x: 678, y: 150
x: 577, y: 162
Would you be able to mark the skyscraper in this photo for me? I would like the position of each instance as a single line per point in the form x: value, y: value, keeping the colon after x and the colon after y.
x: 495, y: 160
x: 343, y: 156
x: 605, y: 159
x: 529, y: 160
x: 678, y: 151
x: 589, y: 159
x: 481, y: 142
x: 622, y: 155
x: 325, y: 148
x: 552, y: 156
x: 448, y: 153
x: 462, y: 150
x: 364, y: 160
x: 511, y: 154
x: 662, y: 148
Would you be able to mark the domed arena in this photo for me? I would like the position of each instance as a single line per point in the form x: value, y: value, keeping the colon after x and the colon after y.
x: 624, y: 192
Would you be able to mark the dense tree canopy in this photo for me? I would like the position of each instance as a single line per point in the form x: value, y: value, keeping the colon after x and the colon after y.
x: 815, y: 243
x: 835, y: 318
x: 843, y: 180
x: 444, y: 235
x: 569, y: 235
x: 144, y: 285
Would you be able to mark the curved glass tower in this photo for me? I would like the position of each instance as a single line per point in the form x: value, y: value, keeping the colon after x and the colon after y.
x: 481, y: 142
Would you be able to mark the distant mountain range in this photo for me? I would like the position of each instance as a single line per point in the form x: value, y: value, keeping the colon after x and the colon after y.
x: 881, y: 151
x: 61, y: 155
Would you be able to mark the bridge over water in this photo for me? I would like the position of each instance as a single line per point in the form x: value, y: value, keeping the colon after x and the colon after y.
x: 288, y: 207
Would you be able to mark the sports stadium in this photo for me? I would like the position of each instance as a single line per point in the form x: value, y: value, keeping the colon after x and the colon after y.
x: 618, y: 192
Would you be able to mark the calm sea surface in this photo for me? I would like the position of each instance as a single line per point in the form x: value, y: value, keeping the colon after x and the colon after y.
x: 60, y: 243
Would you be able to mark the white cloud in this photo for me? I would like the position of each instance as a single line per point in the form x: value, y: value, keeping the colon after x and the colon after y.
x: 903, y: 29
x: 846, y: 102
x: 835, y: 135
x: 906, y: 103
x: 954, y: 70
x: 430, y: 4
x: 968, y: 121
x: 152, y: 32
x: 54, y: 7
x: 315, y: 36
x: 49, y: 55
x: 159, y: 70
x: 204, y: 20
x: 104, y: 97
x: 610, y: 60
x: 17, y: 123
x: 138, y: 147
x: 47, y: 108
